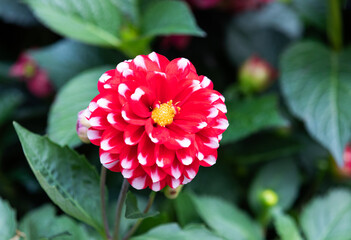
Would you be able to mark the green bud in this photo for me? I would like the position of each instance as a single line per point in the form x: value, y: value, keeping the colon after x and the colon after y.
x: 172, y: 193
x: 269, y: 198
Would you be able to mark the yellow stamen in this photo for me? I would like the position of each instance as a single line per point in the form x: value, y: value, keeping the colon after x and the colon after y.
x: 164, y: 114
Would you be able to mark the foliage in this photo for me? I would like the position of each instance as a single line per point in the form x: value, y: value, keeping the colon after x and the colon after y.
x: 281, y: 172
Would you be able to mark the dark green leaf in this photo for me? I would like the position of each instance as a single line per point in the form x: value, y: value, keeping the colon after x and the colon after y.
x: 70, y: 59
x: 9, y: 101
x: 226, y: 220
x: 169, y: 17
x: 173, y: 232
x: 8, y: 223
x: 185, y: 210
x: 316, y: 17
x: 73, y: 97
x: 129, y: 8
x: 95, y: 22
x: 280, y: 176
x: 317, y: 87
x: 328, y: 217
x: 132, y: 209
x: 14, y: 11
x: 265, y: 32
x: 68, y: 178
x: 251, y: 115
x: 42, y: 223
x: 286, y: 227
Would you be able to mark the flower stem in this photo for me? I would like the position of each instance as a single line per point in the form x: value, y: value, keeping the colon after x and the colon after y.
x: 120, y: 202
x: 137, y: 224
x: 334, y: 24
x: 103, y: 202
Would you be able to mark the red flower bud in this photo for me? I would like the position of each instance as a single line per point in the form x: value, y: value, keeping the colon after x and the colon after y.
x: 256, y: 75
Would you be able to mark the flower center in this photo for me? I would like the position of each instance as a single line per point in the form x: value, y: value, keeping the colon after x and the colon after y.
x: 164, y: 114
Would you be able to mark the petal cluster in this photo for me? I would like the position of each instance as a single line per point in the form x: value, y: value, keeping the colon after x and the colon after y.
x: 156, y: 121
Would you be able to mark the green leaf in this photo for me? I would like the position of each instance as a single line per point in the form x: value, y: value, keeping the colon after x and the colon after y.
x: 186, y: 213
x: 8, y: 223
x: 94, y: 22
x: 265, y: 32
x: 226, y: 220
x: 129, y: 8
x: 286, y: 227
x: 68, y: 178
x: 317, y: 17
x: 169, y: 17
x: 42, y: 223
x: 328, y: 217
x: 317, y: 87
x: 251, y: 115
x: 173, y: 232
x: 71, y: 58
x: 9, y: 101
x: 14, y: 11
x: 280, y: 176
x: 72, y: 98
x: 132, y: 209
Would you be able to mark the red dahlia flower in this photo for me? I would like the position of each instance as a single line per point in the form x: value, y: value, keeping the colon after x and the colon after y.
x: 156, y: 121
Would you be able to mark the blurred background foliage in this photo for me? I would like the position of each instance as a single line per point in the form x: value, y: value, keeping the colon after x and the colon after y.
x: 283, y: 66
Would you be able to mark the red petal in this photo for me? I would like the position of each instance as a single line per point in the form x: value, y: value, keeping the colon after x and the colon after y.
x: 112, y: 141
x: 133, y: 134
x: 133, y: 173
x: 160, y: 60
x: 157, y: 134
x: 157, y: 186
x: 94, y: 136
x: 144, y: 63
x: 98, y: 119
x: 177, y: 138
x: 175, y: 170
x: 164, y: 156
x: 174, y: 183
x: 116, y: 120
x: 128, y: 157
x: 146, y: 151
x: 206, y: 82
x: 191, y: 170
x: 156, y: 174
x: 179, y: 67
x: 140, y: 182
x: 104, y: 79
x: 209, y: 160
x: 186, y: 155
x: 109, y: 101
x: 110, y: 161
x: 130, y: 117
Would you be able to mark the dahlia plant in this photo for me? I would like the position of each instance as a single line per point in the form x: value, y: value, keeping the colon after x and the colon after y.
x: 156, y: 121
x: 150, y: 149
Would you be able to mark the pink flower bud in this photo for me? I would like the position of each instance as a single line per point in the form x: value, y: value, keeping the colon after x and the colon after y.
x: 256, y: 75
x: 82, y: 126
x: 180, y: 42
x: 39, y: 85
x: 346, y: 169
x: 25, y: 67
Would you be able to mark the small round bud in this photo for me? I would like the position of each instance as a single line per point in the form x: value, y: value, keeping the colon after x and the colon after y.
x: 269, y: 198
x: 82, y: 126
x: 172, y: 193
x: 255, y: 75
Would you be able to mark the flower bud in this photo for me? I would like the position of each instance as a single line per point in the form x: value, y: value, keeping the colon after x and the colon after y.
x: 345, y: 170
x: 25, y: 67
x: 255, y: 75
x: 82, y: 126
x: 172, y: 193
x: 269, y: 198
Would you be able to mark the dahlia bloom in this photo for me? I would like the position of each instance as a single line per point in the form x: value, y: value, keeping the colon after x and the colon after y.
x: 156, y: 121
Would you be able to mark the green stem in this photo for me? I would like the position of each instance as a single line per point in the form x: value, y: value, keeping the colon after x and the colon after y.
x: 120, y: 202
x: 103, y: 202
x: 137, y: 224
x: 334, y: 24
